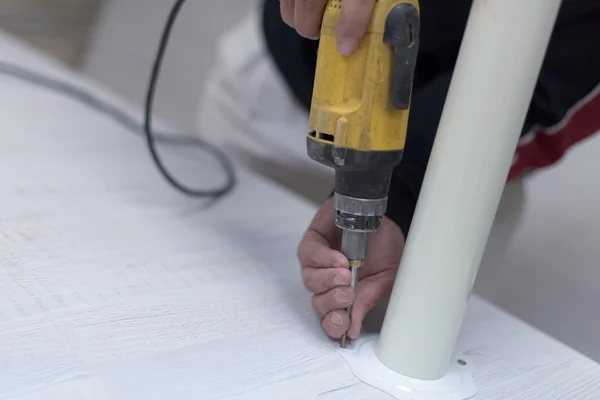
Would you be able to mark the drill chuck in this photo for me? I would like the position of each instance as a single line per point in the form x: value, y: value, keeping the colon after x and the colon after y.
x: 358, y: 214
x: 357, y: 218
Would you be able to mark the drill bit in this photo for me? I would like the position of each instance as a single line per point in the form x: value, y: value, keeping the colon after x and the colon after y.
x: 354, y: 267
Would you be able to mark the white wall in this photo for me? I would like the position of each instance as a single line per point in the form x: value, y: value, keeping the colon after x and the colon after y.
x: 124, y: 45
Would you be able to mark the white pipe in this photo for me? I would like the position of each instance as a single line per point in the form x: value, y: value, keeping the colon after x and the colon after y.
x: 493, y: 82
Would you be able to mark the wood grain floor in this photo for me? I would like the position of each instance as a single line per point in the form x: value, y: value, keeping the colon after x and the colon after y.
x: 58, y: 27
x: 114, y: 287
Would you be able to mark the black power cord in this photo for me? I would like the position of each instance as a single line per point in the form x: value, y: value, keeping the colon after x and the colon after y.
x: 152, y: 138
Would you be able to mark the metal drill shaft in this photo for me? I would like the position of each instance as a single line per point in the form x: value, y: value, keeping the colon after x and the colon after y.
x: 354, y: 267
x: 354, y: 246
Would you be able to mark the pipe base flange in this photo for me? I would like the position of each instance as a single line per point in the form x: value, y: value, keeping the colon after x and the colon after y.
x: 456, y: 385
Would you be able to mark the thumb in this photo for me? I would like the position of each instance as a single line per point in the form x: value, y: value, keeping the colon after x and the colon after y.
x: 370, y: 291
x: 354, y: 20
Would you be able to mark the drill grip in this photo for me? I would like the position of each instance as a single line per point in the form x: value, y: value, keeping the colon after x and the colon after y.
x: 361, y: 102
x: 402, y: 26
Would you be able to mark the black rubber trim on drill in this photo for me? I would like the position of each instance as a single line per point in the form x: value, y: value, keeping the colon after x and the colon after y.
x: 362, y: 174
x: 402, y: 30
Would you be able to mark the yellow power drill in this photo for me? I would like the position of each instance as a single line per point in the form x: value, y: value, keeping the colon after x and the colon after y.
x: 359, y: 115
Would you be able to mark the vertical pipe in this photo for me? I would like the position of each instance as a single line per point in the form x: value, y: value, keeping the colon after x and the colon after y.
x: 500, y: 57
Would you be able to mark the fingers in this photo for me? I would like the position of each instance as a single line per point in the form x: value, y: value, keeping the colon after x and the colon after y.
x: 354, y: 21
x: 303, y: 15
x: 370, y: 291
x: 308, y: 15
x: 335, y: 299
x: 315, y: 248
x: 316, y: 252
x: 335, y: 324
x: 287, y: 11
x: 325, y: 271
x: 321, y: 280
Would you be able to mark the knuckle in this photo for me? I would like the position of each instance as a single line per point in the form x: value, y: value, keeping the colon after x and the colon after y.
x: 317, y: 282
x: 324, y: 303
x: 304, y: 254
x: 316, y: 305
x: 287, y: 20
x: 287, y: 11
x: 300, y: 250
x: 307, y: 279
x: 306, y: 28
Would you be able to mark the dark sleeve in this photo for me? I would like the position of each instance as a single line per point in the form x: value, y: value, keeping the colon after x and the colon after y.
x: 567, y: 87
x: 294, y: 56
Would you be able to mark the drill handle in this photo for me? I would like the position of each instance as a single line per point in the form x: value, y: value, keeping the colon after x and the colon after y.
x: 401, y: 32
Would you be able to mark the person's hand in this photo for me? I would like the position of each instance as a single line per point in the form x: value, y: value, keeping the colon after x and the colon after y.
x: 326, y: 275
x: 306, y: 16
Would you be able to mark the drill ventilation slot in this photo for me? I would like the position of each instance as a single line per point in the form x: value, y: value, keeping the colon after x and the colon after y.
x: 335, y: 4
x: 325, y: 137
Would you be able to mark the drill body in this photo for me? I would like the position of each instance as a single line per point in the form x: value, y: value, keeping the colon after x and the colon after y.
x: 359, y: 116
